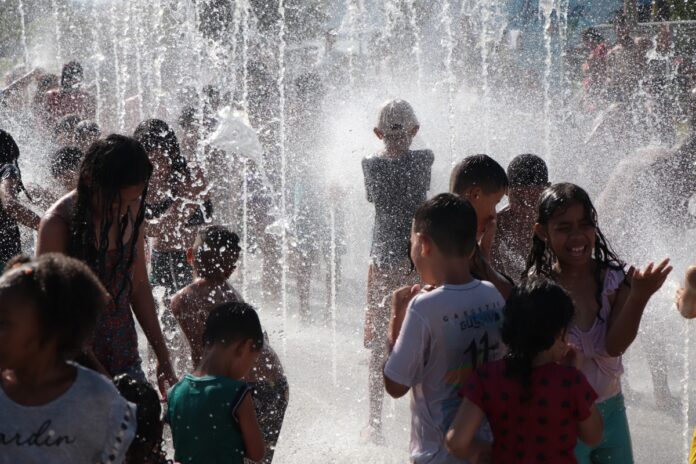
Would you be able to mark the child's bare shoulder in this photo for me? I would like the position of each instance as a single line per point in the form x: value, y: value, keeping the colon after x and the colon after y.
x: 184, y: 298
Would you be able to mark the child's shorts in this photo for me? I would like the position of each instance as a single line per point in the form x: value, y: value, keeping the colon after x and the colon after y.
x: 615, y: 447
x: 270, y: 401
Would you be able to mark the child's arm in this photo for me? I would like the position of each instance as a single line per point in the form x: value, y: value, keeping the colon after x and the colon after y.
x: 628, y: 308
x: 53, y: 236
x: 461, y: 437
x: 16, y: 210
x: 590, y: 430
x: 254, y: 446
x: 145, y: 311
x: 185, y: 309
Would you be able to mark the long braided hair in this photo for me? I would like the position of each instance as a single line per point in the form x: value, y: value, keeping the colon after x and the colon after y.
x: 556, y: 199
x: 110, y: 165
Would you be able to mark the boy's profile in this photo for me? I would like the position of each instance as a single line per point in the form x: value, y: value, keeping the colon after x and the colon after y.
x: 480, y: 180
x: 446, y: 332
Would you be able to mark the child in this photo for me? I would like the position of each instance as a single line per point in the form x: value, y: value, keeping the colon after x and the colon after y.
x: 64, y: 168
x: 12, y: 212
x: 101, y: 223
x: 71, y: 98
x: 686, y: 296
x: 537, y: 408
x: 147, y: 444
x: 86, y: 133
x: 54, y: 410
x: 528, y: 177
x: 482, y: 181
x: 211, y: 412
x: 396, y: 181
x: 214, y: 257
x: 65, y: 130
x: 569, y: 248
x: 448, y: 331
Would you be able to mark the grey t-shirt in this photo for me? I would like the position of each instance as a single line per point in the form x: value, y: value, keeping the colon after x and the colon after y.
x: 90, y: 423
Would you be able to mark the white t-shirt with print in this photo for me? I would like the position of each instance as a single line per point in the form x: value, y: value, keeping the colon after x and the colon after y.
x: 446, y: 333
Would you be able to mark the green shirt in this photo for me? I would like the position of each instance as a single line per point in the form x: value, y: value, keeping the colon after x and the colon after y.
x: 202, y: 416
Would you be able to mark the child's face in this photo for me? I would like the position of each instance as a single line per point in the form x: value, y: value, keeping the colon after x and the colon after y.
x: 559, y: 349
x: 247, y: 357
x: 422, y: 256
x: 485, y: 206
x: 20, y: 333
x: 570, y: 235
x: 525, y: 196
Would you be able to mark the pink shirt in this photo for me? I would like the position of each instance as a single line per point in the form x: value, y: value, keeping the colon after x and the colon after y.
x: 601, y: 370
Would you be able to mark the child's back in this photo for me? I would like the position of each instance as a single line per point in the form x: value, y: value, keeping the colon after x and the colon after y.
x: 447, y: 333
x: 540, y: 423
x: 202, y: 414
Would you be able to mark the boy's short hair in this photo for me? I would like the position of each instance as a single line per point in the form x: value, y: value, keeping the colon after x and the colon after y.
x: 527, y: 170
x: 66, y: 125
x: 68, y: 297
x: 215, y: 252
x: 66, y: 160
x: 232, y: 322
x: 87, y: 128
x: 478, y: 171
x: 71, y: 74
x: 396, y: 118
x: 450, y: 221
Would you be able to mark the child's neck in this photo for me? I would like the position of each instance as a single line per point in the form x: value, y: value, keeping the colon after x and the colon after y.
x: 41, y: 382
x: 211, y: 282
x: 545, y: 357
x: 395, y: 152
x: 570, y: 271
x: 453, y: 271
x: 213, y: 364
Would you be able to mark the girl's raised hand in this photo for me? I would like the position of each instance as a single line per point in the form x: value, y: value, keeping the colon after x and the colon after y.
x: 646, y: 282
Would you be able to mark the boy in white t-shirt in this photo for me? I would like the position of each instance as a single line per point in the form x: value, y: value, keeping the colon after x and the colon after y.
x: 445, y: 332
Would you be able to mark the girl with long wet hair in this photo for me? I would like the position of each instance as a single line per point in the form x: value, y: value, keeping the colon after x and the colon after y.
x: 12, y: 212
x: 101, y: 223
x: 569, y: 248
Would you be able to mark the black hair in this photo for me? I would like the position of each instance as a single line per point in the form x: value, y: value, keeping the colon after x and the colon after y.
x: 155, y: 134
x: 67, y: 296
x: 527, y: 171
x: 216, y: 251
x: 480, y: 171
x: 592, y: 34
x: 66, y: 159
x: 47, y: 82
x: 536, y: 313
x: 66, y: 124
x: 109, y: 165
x: 87, y: 128
x: 450, y: 222
x: 9, y: 154
x: 188, y: 118
x: 147, y: 446
x: 72, y: 74
x: 231, y: 322
x: 541, y: 259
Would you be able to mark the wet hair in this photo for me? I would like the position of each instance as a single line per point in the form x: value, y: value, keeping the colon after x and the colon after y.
x: 147, y: 446
x: 188, y: 118
x: 109, y: 165
x: 67, y: 297
x: 72, y: 74
x: 46, y: 82
x: 536, y: 313
x: 450, y: 222
x: 478, y: 171
x: 527, y: 171
x: 65, y: 160
x: 215, y: 252
x: 232, y: 322
x: 592, y: 34
x: 86, y: 129
x: 155, y: 134
x: 557, y: 199
x: 66, y: 125
x: 9, y: 154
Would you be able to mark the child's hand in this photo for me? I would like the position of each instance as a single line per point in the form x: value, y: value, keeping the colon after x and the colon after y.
x: 488, y: 238
x: 400, y: 300
x: 165, y: 377
x: 644, y: 283
x: 571, y: 357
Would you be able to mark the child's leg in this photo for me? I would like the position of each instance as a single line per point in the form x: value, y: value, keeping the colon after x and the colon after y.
x: 375, y: 341
x: 271, y: 402
x: 616, y: 447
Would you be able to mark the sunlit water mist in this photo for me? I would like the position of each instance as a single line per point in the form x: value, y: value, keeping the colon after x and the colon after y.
x: 464, y: 106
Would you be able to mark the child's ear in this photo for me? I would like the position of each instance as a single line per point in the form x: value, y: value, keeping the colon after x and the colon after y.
x: 189, y: 255
x: 540, y: 231
x: 379, y: 133
x: 474, y: 193
x: 413, y: 131
x: 426, y: 245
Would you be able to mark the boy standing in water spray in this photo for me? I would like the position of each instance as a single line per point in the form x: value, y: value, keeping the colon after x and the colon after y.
x: 396, y: 182
x: 528, y: 177
x: 446, y: 332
